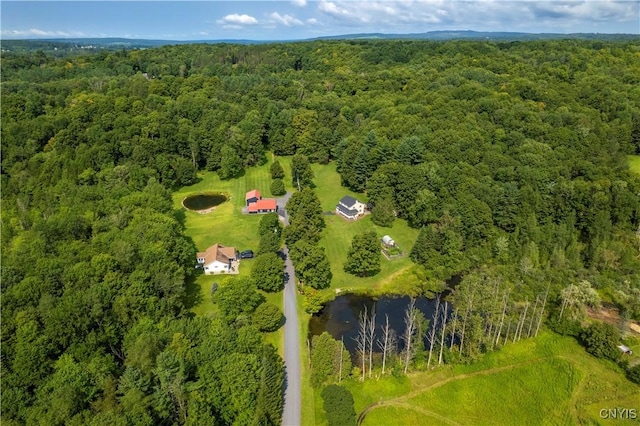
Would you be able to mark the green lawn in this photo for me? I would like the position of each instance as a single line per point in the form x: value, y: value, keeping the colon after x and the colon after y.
x: 227, y: 225
x: 336, y: 238
x: 634, y: 163
x: 545, y: 380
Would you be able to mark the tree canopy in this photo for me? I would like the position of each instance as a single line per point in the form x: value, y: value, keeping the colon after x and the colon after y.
x: 509, y: 157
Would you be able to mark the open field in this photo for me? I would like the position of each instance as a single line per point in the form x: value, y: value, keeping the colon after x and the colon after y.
x: 549, y: 379
x: 634, y: 163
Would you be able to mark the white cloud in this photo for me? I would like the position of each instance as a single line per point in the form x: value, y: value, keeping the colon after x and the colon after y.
x: 339, y: 12
x: 312, y: 21
x: 287, y: 20
x: 482, y: 15
x: 299, y: 3
x: 236, y: 19
x: 35, y: 32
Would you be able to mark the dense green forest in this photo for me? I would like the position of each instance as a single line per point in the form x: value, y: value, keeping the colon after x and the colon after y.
x: 510, y: 158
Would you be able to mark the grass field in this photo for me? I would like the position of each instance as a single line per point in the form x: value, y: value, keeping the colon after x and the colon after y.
x: 634, y: 163
x: 545, y: 380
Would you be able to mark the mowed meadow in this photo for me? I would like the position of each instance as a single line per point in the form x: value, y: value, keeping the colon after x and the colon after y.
x: 549, y: 379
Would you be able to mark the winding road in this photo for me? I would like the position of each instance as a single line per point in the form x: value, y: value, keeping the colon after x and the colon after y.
x: 292, y: 399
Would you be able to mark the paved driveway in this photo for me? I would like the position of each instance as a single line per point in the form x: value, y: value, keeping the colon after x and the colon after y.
x: 292, y: 398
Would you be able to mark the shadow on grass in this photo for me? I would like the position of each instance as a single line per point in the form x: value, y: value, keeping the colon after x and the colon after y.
x: 192, y: 294
x: 281, y: 323
x: 181, y: 216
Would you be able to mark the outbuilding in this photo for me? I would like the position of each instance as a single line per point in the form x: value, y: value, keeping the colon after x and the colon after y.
x: 625, y: 349
x: 388, y: 241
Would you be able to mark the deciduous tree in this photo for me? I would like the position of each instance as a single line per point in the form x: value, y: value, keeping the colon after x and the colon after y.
x: 363, y: 258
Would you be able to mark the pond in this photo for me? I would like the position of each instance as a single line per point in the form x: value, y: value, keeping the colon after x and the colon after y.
x: 340, y: 316
x: 204, y: 201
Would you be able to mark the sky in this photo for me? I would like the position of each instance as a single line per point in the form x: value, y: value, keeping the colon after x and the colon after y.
x: 301, y: 19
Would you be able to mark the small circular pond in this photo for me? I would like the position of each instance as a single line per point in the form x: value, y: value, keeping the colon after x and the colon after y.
x: 204, y: 201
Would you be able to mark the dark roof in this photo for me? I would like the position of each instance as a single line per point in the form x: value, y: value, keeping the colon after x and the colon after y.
x: 348, y: 201
x: 253, y: 194
x: 348, y: 212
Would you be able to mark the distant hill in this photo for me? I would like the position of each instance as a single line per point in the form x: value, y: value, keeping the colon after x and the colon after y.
x: 84, y: 44
x: 476, y: 35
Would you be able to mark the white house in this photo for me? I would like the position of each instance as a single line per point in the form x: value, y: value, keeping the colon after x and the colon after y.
x: 350, y: 208
x: 218, y: 259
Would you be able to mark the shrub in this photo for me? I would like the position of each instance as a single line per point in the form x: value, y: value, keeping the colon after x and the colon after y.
x: 633, y: 374
x: 268, y: 317
x: 338, y: 405
x: 565, y: 326
x: 600, y: 339
x: 277, y: 188
x: 276, y: 170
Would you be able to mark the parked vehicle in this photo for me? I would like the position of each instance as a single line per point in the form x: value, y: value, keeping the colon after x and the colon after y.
x: 247, y: 254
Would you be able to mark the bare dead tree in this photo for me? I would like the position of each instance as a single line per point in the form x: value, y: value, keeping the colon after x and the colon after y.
x: 521, y: 320
x: 341, y: 351
x: 544, y: 302
x: 444, y: 326
x: 533, y: 316
x: 409, y: 333
x: 464, y: 322
x: 453, y: 330
x: 505, y: 297
x: 432, y: 333
x: 564, y: 305
x: 491, y: 322
x: 524, y: 318
x: 506, y: 337
x: 361, y: 339
x: 371, y: 331
x: 388, y: 342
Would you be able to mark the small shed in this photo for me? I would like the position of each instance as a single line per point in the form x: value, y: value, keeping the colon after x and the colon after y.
x: 625, y: 350
x: 388, y: 241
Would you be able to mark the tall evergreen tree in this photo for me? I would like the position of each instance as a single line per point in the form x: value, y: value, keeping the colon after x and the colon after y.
x: 276, y: 170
